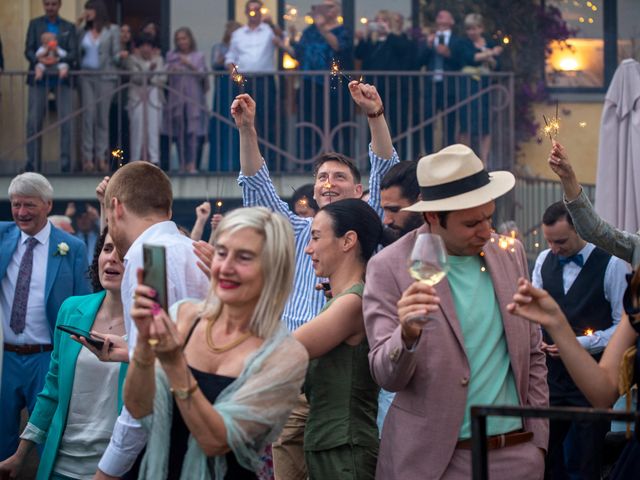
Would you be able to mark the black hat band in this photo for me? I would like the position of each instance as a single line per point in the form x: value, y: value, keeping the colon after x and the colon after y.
x: 457, y: 187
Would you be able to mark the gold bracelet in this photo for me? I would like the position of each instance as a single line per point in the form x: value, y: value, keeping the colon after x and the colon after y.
x: 142, y: 364
x: 184, y: 393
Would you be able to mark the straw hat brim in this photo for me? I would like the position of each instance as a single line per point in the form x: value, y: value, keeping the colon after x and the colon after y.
x: 500, y: 182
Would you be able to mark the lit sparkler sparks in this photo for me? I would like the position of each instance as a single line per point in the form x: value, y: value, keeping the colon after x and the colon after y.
x: 118, y: 155
x: 236, y: 76
x: 552, y: 126
x: 588, y: 332
x: 218, y: 206
x: 335, y: 70
x: 507, y: 242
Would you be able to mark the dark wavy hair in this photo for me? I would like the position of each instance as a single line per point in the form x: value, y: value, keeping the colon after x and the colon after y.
x: 354, y: 214
x: 305, y: 191
x: 94, y: 273
x: 102, y: 15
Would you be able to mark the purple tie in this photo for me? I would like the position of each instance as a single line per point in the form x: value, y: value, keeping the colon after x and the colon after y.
x: 21, y: 296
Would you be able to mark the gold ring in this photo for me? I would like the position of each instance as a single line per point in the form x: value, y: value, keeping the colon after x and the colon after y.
x: 153, y: 342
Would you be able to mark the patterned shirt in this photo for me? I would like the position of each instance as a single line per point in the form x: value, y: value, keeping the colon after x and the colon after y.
x: 305, y: 302
x: 314, y: 53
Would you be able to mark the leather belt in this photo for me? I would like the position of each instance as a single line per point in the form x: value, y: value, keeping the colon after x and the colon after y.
x: 27, y: 349
x: 500, y: 441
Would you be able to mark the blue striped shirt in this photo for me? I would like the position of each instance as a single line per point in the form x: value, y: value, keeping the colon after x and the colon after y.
x: 305, y: 302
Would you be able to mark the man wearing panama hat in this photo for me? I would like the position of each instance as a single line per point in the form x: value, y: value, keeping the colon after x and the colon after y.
x: 471, y: 350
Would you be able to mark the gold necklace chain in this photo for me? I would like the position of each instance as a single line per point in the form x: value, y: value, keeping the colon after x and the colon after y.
x: 109, y: 326
x: 228, y: 346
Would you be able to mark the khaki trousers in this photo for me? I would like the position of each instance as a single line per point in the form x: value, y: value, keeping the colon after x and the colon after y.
x: 288, y: 450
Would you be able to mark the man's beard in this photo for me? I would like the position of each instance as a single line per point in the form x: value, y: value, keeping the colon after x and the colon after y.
x: 390, y: 235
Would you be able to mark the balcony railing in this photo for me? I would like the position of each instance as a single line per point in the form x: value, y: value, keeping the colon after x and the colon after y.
x: 299, y: 116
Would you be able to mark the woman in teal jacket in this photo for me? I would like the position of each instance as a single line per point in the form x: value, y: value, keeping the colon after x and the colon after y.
x: 75, y: 412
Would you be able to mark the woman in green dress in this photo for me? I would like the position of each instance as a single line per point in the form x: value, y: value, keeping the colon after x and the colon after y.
x: 341, y: 436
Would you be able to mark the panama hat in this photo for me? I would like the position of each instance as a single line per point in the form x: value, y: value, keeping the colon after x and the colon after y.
x: 455, y: 179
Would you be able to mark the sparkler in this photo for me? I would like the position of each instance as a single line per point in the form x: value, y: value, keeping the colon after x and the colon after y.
x: 218, y: 206
x: 118, y: 155
x: 552, y: 126
x: 588, y: 332
x: 236, y: 76
x: 335, y: 70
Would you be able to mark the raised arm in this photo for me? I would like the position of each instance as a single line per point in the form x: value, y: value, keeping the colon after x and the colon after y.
x: 559, y: 163
x: 589, y: 225
x: 382, y: 155
x: 203, y: 211
x: 243, y: 111
x: 598, y: 382
x: 367, y: 98
x: 257, y: 187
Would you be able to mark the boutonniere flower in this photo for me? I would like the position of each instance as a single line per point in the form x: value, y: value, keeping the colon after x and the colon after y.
x: 63, y: 249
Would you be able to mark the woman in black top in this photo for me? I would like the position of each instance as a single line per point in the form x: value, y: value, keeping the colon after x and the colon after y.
x: 214, y: 401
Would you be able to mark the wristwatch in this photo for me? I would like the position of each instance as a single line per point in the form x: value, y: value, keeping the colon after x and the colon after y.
x: 184, y: 393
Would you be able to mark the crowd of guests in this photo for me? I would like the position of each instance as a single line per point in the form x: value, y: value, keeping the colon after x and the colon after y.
x: 140, y: 100
x: 295, y: 344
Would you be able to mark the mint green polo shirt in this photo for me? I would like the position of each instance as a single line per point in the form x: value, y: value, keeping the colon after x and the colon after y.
x: 477, y: 309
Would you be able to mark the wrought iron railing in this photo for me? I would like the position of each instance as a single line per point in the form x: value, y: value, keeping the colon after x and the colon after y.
x: 299, y: 116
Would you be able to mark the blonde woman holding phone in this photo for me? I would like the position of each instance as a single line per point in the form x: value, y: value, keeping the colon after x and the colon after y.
x: 215, y: 388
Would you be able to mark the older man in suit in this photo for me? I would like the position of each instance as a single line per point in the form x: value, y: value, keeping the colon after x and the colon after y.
x: 38, y: 89
x: 40, y: 266
x: 445, y: 348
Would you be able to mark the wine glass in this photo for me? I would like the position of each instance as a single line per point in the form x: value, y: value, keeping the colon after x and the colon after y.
x: 428, y: 263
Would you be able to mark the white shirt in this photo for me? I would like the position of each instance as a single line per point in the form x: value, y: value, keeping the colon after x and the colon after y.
x: 91, y: 46
x: 184, y: 280
x: 93, y: 409
x: 252, y: 50
x: 615, y: 284
x: 447, y: 36
x: 438, y: 77
x: 36, y: 330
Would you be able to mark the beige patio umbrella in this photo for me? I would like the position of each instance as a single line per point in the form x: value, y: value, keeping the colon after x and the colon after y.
x: 618, y: 176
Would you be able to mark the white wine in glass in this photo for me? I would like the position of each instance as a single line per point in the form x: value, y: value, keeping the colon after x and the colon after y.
x: 426, y: 273
x: 428, y: 263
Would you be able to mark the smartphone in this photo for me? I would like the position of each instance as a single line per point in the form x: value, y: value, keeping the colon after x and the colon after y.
x: 374, y: 27
x: 82, y: 333
x: 155, y: 272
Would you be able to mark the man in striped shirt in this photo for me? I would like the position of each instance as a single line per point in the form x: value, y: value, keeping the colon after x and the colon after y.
x: 336, y: 178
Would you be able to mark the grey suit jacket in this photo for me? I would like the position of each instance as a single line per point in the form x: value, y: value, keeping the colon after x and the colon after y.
x: 66, y: 39
x: 421, y: 429
x: 108, y: 48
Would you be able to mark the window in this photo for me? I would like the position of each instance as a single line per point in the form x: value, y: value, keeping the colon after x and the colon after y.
x: 580, y: 62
